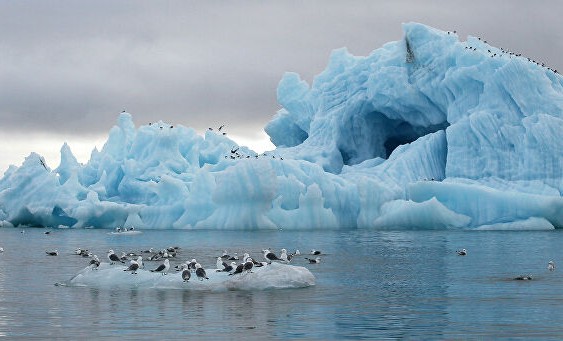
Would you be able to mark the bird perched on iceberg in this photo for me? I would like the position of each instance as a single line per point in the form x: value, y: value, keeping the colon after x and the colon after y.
x: 113, y: 258
x: 200, y: 272
x: 163, y: 268
x: 270, y: 256
x: 133, y: 267
x: 94, y: 262
x: 186, y: 273
x: 248, y: 265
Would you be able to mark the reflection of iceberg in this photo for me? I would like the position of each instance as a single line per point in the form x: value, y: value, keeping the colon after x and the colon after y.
x: 273, y: 276
x: 425, y: 132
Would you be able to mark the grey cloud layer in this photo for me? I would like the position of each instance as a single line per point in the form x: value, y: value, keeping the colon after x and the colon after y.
x: 72, y: 66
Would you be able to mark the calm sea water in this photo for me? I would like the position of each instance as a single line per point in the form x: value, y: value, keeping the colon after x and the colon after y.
x: 370, y: 285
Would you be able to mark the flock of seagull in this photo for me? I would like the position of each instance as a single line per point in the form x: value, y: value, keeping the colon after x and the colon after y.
x: 225, y: 263
x: 508, y: 53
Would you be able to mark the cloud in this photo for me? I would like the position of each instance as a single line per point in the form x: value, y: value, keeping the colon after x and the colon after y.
x: 71, y: 67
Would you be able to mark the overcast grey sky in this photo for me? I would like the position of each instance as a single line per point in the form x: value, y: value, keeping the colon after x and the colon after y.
x: 68, y: 68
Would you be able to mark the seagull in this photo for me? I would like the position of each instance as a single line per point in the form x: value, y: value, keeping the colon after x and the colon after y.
x: 270, y: 256
x: 462, y: 252
x: 94, y: 262
x: 314, y: 261
x: 1, y: 249
x: 523, y: 278
x: 52, y: 253
x: 284, y: 256
x: 200, y: 272
x: 186, y: 273
x: 224, y: 267
x: 133, y: 267
x: 248, y: 265
x: 315, y: 252
x: 113, y: 258
x: 551, y: 266
x: 192, y: 264
x: 235, y: 257
x: 220, y: 263
x: 140, y: 262
x: 238, y: 269
x: 163, y: 268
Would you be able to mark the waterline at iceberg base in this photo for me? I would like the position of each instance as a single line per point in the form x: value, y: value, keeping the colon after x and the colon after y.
x: 426, y: 132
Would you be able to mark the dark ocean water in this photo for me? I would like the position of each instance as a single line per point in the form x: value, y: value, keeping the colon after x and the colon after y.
x: 369, y: 285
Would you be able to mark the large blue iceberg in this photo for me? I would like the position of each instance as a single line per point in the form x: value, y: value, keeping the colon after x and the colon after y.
x: 426, y: 132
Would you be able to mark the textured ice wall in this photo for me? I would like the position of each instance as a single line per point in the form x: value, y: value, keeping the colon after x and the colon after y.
x: 425, y: 132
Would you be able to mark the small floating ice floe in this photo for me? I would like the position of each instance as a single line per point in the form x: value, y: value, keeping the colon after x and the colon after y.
x: 125, y: 231
x: 273, y: 276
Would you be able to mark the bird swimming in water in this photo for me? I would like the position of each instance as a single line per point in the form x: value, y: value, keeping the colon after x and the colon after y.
x: 315, y: 252
x: 52, y: 253
x: 314, y: 261
x: 462, y: 252
x: 551, y: 266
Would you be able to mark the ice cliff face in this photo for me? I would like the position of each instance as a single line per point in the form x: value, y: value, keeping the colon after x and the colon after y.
x: 425, y: 132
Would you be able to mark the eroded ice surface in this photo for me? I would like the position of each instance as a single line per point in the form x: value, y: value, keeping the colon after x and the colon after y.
x: 425, y: 132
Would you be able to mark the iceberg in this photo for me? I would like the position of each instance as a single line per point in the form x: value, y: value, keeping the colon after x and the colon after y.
x: 272, y: 276
x: 428, y: 132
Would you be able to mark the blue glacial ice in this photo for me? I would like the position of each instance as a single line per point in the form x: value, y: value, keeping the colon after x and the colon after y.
x: 426, y: 132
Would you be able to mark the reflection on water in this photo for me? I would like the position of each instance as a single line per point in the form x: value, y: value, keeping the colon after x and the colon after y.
x: 369, y: 285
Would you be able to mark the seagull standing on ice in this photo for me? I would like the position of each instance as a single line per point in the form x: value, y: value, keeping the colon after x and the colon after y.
x: 220, y: 264
x: 248, y: 265
x: 270, y: 256
x: 140, y: 262
x: 113, y: 258
x: 200, y: 272
x: 186, y: 273
x: 192, y: 264
x: 94, y: 262
x: 551, y: 266
x: 163, y: 268
x: 238, y: 270
x: 133, y: 267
